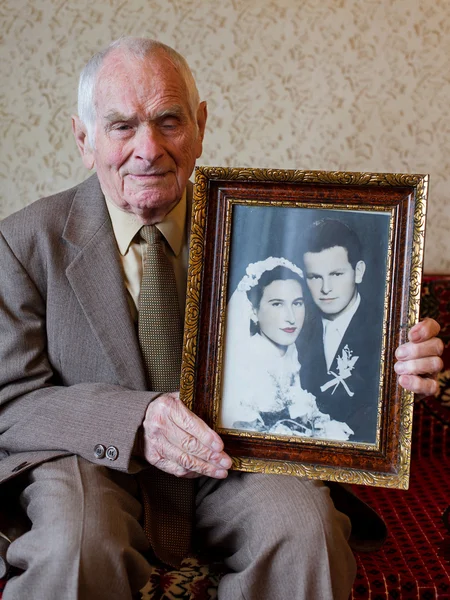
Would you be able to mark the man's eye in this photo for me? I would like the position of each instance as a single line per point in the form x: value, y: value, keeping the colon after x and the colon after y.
x: 124, y: 127
x: 121, y: 128
x: 337, y: 274
x: 312, y: 277
x: 169, y: 123
x: 276, y: 303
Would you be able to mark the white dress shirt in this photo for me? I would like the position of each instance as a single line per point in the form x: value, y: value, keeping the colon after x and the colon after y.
x: 333, y: 331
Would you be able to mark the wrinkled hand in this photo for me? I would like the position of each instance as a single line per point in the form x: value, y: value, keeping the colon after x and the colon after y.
x: 419, y: 359
x: 178, y: 442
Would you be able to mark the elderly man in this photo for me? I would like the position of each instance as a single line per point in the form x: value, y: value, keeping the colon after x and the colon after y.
x: 80, y: 424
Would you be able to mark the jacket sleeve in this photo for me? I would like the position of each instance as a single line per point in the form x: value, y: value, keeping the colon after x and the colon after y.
x: 38, y: 412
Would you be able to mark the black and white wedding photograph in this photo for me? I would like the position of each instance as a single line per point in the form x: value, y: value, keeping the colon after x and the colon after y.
x: 301, y: 356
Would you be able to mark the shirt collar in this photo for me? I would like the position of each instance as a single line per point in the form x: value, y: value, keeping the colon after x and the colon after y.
x: 126, y: 225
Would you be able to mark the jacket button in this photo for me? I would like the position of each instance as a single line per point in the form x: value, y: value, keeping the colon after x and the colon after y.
x: 99, y: 451
x: 112, y: 453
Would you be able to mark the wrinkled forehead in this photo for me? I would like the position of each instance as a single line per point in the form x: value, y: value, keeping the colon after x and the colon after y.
x: 124, y: 75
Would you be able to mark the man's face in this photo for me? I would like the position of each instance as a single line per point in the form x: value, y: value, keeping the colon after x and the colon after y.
x: 146, y: 140
x: 332, y: 280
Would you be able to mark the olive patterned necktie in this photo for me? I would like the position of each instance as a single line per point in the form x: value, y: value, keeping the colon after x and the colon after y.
x: 168, y: 500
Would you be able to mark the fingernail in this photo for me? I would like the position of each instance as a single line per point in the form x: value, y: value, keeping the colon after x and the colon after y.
x: 405, y: 381
x: 221, y: 473
x: 225, y: 462
x: 415, y: 336
x: 401, y: 352
x: 217, y: 446
x: 399, y: 368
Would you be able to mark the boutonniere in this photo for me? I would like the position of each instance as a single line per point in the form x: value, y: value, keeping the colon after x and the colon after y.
x: 345, y: 365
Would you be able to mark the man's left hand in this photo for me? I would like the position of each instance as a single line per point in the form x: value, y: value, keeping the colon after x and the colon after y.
x: 419, y: 359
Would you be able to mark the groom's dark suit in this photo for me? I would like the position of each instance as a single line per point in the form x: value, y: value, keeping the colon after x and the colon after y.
x: 353, y: 400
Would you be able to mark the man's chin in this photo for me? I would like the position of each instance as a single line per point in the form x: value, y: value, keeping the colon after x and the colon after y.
x: 329, y: 309
x: 148, y: 206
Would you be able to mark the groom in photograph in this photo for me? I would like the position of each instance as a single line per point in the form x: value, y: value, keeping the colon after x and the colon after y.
x: 341, y: 364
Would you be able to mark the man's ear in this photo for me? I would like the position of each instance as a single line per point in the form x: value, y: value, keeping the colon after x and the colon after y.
x: 360, y: 269
x: 81, y: 139
x: 202, y: 115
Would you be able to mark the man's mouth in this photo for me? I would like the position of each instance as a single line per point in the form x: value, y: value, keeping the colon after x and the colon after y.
x: 148, y: 175
x: 147, y: 181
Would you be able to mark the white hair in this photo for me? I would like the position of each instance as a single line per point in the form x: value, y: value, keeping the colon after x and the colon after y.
x: 140, y: 48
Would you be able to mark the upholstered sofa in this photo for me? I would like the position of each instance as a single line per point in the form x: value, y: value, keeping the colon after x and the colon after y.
x: 414, y: 562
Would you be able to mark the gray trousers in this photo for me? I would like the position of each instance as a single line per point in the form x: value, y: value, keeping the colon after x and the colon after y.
x: 280, y: 536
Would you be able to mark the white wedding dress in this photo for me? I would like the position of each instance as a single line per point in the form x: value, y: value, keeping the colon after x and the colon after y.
x: 261, y: 380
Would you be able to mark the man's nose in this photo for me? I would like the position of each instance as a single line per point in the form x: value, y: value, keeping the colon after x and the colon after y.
x: 148, y: 143
x: 326, y: 285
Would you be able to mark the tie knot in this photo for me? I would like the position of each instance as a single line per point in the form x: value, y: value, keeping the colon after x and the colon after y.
x: 151, y: 234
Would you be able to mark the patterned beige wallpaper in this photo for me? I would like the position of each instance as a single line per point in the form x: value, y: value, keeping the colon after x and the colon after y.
x: 308, y: 84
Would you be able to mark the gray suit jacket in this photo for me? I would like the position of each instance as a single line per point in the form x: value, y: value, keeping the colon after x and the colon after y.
x: 71, y: 373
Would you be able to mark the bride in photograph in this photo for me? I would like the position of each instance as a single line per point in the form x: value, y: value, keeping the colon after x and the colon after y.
x: 261, y: 378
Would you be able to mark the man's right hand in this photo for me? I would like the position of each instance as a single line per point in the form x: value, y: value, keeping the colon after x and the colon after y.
x: 178, y: 442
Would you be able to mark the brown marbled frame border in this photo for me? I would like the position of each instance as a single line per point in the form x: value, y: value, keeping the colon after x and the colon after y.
x: 386, y: 463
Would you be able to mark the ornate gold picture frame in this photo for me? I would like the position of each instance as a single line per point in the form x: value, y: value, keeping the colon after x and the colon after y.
x: 301, y: 285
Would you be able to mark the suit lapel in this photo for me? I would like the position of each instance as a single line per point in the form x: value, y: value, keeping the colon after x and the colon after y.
x: 96, y: 277
x: 319, y: 360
